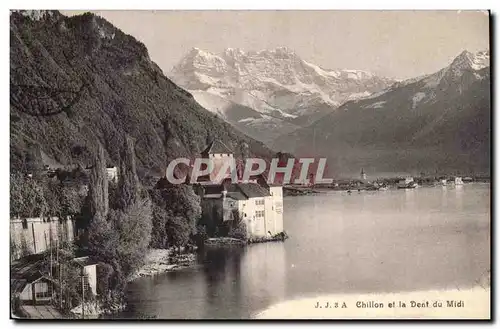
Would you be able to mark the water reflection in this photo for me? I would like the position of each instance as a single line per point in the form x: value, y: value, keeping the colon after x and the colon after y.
x: 459, y: 196
x: 222, y: 273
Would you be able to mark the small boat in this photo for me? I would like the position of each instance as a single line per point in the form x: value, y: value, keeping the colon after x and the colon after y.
x: 444, y: 182
x: 459, y: 181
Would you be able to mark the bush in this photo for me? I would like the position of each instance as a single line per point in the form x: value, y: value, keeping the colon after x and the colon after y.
x: 104, y: 275
x: 201, y: 235
x: 239, y: 231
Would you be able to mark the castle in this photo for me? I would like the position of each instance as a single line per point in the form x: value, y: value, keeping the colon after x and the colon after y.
x: 254, y: 202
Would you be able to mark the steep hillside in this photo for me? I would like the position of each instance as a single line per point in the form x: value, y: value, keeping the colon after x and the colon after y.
x: 436, y: 123
x: 76, y: 81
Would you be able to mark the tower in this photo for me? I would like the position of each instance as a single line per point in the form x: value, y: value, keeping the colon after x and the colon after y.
x: 363, y: 175
x: 219, y: 154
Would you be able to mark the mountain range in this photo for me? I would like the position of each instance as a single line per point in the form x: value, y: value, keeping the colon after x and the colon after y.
x: 79, y: 81
x: 271, y: 92
x: 438, y: 123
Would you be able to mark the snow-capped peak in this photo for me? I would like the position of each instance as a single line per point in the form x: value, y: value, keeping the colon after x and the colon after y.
x: 470, y: 60
x: 276, y: 79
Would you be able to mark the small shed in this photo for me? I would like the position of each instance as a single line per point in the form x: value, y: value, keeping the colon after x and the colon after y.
x: 29, y: 284
x: 89, y: 271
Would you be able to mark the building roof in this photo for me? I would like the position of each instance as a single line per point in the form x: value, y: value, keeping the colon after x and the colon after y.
x: 25, y: 270
x: 252, y: 190
x: 239, y: 191
x: 84, y: 261
x: 236, y: 196
x: 216, y: 146
x: 213, y: 189
x: 28, y: 267
x: 212, y: 196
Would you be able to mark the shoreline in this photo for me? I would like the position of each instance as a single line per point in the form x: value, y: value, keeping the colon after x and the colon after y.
x: 160, y: 261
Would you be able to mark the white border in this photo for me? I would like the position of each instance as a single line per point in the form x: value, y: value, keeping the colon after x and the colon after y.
x: 184, y: 4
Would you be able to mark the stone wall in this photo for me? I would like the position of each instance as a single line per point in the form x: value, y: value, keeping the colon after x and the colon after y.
x: 34, y: 235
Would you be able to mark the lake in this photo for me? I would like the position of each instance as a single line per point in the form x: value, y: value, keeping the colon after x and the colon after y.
x: 366, y: 242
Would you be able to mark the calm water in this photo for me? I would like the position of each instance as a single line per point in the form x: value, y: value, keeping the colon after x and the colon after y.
x: 386, y: 241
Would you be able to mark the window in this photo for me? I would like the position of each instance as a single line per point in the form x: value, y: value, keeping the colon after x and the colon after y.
x: 259, y: 213
x: 25, y: 224
x: 86, y: 285
x: 259, y: 202
x: 42, y: 290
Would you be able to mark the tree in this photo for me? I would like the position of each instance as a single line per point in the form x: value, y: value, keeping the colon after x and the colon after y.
x: 178, y: 230
x: 121, y: 238
x: 201, y: 235
x: 128, y: 183
x: 70, y: 200
x: 98, y: 187
x: 238, y: 229
x: 102, y: 239
x: 104, y: 276
x: 27, y: 198
x: 182, y: 201
x: 159, y: 235
x: 179, y: 214
x: 133, y: 226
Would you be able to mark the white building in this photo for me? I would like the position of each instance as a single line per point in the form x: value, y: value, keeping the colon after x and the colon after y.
x: 257, y: 204
x: 112, y: 173
x: 259, y: 207
x: 89, y: 271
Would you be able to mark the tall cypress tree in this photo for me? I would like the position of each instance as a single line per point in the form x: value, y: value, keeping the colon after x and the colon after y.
x: 128, y: 182
x: 98, y: 187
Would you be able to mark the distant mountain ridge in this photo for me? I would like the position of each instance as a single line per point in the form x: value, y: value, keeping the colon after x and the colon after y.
x: 277, y: 84
x: 436, y: 123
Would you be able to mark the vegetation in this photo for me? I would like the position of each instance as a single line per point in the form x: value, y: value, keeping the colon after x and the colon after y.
x: 98, y: 188
x: 176, y: 212
x: 121, y: 236
x: 238, y: 230
x: 31, y: 197
x: 67, y: 275
x: 26, y: 196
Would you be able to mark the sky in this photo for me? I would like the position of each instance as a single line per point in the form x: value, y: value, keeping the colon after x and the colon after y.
x: 396, y: 44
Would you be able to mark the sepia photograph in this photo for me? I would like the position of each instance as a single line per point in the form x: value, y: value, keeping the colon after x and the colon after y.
x: 250, y: 164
